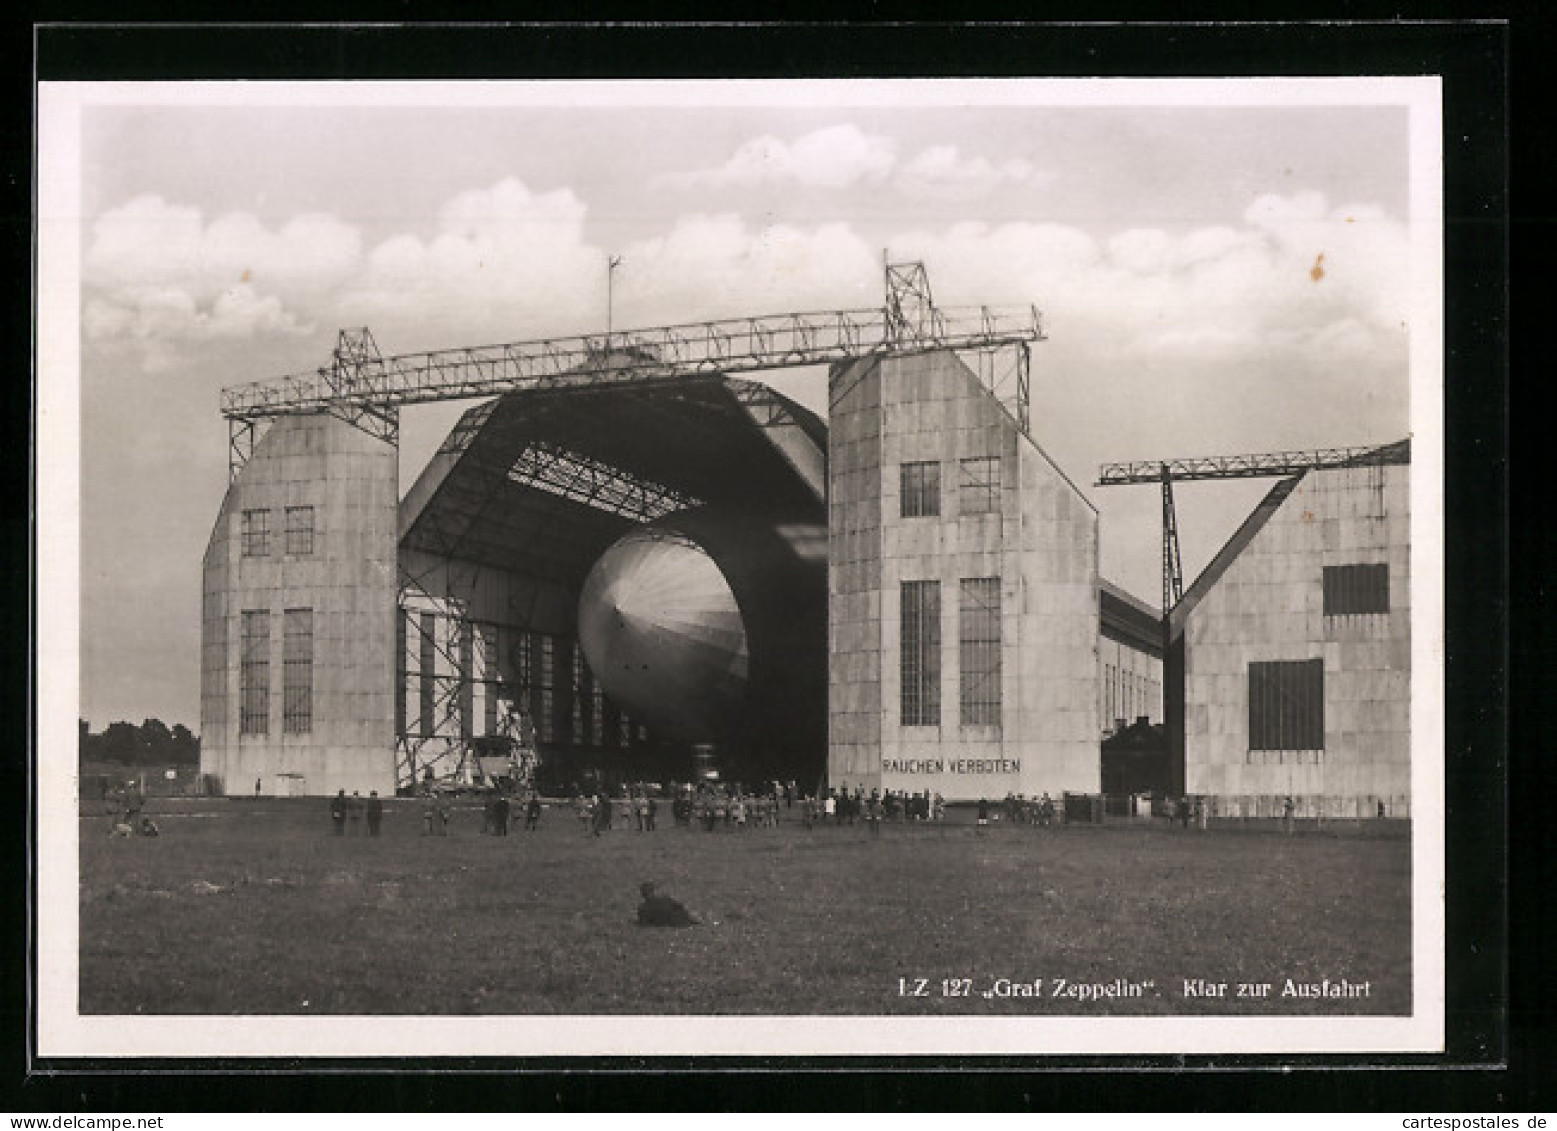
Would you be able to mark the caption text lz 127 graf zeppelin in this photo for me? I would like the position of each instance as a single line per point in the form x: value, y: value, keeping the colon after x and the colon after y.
x: 1125, y: 988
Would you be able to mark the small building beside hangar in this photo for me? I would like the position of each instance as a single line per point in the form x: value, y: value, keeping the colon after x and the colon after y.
x: 1291, y: 653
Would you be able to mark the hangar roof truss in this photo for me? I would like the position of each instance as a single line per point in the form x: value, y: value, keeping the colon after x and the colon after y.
x: 547, y: 467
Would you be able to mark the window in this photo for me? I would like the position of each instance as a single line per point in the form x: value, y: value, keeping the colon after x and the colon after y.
x: 300, y: 530
x: 542, y: 697
x: 978, y: 487
x: 1287, y: 705
x: 979, y: 651
x: 921, y: 653
x: 297, y: 671
x: 402, y: 665
x: 491, y: 679
x: 256, y: 533
x: 1356, y: 589
x: 920, y: 490
x: 254, y: 673
x: 464, y: 642
x: 581, y: 697
x: 427, y: 670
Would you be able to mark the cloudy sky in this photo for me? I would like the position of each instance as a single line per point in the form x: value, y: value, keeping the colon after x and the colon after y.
x: 1214, y: 279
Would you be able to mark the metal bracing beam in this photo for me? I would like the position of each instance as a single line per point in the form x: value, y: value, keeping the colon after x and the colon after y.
x: 1260, y: 465
x: 1172, y: 569
x: 361, y: 381
x: 569, y: 475
x: 1005, y: 372
x: 1249, y: 466
x: 911, y: 312
x: 243, y: 436
x: 664, y: 353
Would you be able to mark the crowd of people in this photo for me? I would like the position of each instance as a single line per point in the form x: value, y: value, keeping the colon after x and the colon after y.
x: 349, y: 813
x: 720, y: 807
x: 710, y: 807
x: 600, y: 812
x: 842, y: 807
x: 1023, y: 810
x: 714, y: 807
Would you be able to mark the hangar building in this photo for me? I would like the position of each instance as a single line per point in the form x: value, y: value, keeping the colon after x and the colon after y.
x: 1291, y: 653
x: 628, y: 557
x: 629, y: 562
x: 963, y: 595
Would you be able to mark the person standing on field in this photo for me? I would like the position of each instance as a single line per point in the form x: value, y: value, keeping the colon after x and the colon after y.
x: 375, y: 812
x: 338, y: 812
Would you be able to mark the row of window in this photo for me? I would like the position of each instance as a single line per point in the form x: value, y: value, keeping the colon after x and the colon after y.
x: 978, y: 648
x: 298, y: 531
x: 1127, y: 695
x: 550, y: 685
x: 978, y: 487
x: 297, y: 672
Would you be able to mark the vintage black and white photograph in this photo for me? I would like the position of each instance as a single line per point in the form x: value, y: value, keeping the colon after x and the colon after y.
x: 719, y: 568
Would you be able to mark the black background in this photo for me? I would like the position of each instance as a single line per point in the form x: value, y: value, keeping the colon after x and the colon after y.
x: 1498, y: 1045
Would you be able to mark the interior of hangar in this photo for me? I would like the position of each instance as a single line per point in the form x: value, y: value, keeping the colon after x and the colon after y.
x: 618, y: 575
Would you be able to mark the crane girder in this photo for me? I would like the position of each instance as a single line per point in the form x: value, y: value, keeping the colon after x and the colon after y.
x: 661, y: 353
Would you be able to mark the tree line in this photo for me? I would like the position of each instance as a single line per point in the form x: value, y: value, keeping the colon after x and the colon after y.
x: 153, y: 743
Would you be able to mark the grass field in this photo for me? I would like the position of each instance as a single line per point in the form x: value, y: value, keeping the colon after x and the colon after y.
x: 255, y: 908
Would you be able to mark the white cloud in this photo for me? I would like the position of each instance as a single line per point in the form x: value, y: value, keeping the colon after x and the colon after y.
x: 1206, y: 285
x: 835, y: 157
x: 171, y: 314
x: 943, y: 173
x: 149, y: 241
x: 719, y: 267
x: 1173, y: 343
x: 504, y: 261
x: 158, y: 272
x: 1157, y: 313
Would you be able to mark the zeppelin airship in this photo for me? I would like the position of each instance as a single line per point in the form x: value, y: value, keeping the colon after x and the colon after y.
x: 711, y: 626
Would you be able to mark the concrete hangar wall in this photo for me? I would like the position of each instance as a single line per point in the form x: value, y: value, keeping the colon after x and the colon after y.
x: 611, y: 567
x: 1291, y: 653
x: 963, y: 592
x: 298, y: 618
x: 353, y: 640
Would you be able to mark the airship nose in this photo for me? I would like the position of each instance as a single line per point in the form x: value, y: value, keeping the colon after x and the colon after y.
x: 663, y: 633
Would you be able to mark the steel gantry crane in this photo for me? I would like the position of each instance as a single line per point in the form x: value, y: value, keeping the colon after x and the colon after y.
x: 367, y: 390
x: 1164, y: 473
x: 1262, y: 465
